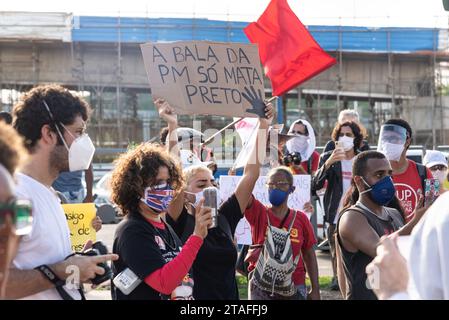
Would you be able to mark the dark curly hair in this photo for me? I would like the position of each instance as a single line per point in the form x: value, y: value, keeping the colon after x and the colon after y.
x: 12, y: 151
x: 358, y: 136
x: 30, y: 114
x: 137, y: 169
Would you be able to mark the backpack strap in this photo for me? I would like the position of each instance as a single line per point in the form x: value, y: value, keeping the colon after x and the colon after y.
x: 292, y: 221
x: 283, y: 219
x: 422, y: 172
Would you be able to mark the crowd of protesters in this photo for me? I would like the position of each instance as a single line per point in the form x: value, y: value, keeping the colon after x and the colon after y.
x: 170, y: 245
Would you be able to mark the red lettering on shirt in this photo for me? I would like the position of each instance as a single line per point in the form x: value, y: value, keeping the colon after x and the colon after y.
x: 408, y: 188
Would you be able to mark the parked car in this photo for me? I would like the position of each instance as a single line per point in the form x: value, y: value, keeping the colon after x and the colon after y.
x: 102, y: 190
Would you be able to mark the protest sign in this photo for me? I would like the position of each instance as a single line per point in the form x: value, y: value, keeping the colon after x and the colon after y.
x: 243, y: 232
x: 79, y: 217
x: 296, y: 200
x: 203, y: 77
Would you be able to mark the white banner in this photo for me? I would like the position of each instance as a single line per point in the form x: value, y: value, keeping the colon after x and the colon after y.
x: 247, y: 130
x: 243, y: 232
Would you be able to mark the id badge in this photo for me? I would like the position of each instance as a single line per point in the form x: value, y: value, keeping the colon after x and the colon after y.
x: 126, y: 281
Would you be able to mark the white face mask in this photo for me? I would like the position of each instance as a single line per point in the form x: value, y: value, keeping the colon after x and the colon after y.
x: 348, y: 142
x: 392, y: 151
x: 81, y: 151
x: 298, y: 144
x: 440, y: 175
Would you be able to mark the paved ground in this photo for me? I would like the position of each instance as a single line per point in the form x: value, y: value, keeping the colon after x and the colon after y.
x: 106, y: 234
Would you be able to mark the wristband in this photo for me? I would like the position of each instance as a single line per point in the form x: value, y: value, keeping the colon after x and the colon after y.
x: 50, y: 275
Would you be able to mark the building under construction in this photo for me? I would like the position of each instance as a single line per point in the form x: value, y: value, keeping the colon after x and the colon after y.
x: 381, y: 72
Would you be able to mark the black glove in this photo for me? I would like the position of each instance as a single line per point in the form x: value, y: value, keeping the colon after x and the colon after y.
x: 256, y: 101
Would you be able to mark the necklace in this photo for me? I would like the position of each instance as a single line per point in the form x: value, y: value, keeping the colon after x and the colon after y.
x: 172, y: 247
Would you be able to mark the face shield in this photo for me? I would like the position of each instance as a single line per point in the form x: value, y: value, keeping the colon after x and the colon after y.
x: 392, y: 140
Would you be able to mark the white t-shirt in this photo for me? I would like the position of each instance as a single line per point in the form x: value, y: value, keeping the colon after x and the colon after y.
x: 346, y: 174
x: 49, y: 240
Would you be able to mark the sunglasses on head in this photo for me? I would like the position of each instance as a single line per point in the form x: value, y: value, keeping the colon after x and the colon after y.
x: 20, y: 212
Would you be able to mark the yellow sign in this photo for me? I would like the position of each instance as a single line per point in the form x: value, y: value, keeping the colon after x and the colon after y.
x: 79, y: 217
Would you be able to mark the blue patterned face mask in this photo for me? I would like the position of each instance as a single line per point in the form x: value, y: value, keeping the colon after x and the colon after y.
x: 382, y: 192
x: 158, y: 198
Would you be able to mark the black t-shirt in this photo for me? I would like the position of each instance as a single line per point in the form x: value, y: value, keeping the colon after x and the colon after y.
x: 214, y: 267
x: 141, y: 247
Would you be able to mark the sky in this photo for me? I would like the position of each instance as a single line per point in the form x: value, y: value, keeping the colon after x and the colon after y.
x: 370, y: 13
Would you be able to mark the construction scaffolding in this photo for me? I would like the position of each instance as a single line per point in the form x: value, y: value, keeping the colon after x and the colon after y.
x: 382, y: 73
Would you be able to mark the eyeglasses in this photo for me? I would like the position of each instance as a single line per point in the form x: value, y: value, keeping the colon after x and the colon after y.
x: 348, y: 134
x: 438, y: 167
x: 20, y: 212
x: 278, y: 185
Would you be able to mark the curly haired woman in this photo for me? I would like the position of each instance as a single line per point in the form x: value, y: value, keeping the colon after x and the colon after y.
x: 144, y: 182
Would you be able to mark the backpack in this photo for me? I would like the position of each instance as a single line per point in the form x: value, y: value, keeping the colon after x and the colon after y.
x: 422, y: 172
x: 275, y: 265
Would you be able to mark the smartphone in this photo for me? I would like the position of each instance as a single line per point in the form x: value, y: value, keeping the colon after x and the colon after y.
x: 211, y: 200
x: 339, y: 145
x: 432, y: 191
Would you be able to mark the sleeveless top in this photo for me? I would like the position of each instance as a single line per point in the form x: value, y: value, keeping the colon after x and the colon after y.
x: 354, y: 263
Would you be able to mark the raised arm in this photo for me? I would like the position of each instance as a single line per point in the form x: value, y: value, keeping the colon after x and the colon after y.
x: 167, y: 113
x: 252, y: 168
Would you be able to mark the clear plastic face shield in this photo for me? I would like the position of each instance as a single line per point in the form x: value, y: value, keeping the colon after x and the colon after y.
x: 392, y: 139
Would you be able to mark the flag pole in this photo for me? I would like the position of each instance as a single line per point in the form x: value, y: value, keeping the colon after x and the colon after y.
x: 209, y: 140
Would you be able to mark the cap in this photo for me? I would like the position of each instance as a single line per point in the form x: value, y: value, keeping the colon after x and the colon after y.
x: 433, y: 158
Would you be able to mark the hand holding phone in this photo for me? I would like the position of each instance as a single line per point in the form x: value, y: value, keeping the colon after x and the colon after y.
x: 339, y: 145
x: 337, y: 155
x: 431, y: 192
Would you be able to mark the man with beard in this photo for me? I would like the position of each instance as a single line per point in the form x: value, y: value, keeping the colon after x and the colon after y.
x: 52, y: 122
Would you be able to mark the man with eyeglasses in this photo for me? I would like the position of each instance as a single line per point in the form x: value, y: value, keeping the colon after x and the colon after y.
x: 408, y: 176
x: 52, y: 122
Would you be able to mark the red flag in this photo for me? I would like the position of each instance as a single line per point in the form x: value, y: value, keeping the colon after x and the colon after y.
x: 287, y: 50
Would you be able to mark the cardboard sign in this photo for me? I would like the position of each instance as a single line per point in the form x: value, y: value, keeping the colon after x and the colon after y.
x: 296, y: 200
x: 203, y: 77
x: 79, y: 217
